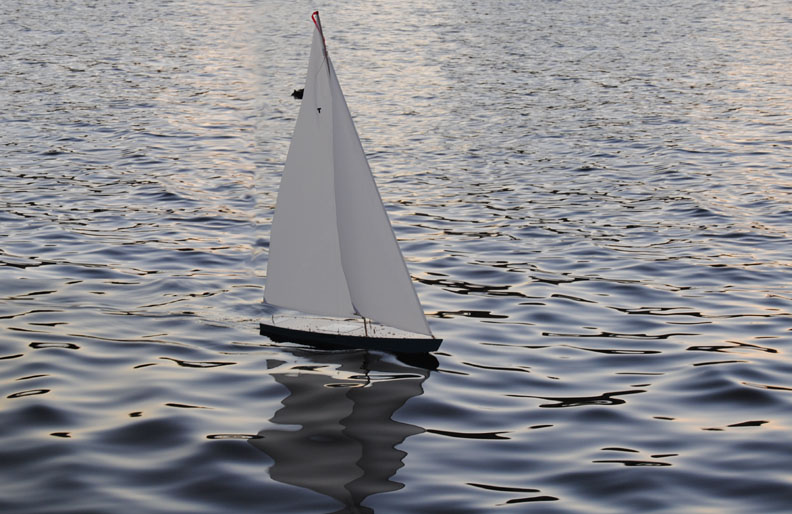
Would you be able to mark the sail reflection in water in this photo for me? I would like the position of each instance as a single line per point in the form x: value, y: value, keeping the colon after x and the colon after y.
x: 343, y: 403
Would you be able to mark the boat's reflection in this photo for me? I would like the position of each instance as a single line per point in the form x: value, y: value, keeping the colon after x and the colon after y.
x: 343, y: 403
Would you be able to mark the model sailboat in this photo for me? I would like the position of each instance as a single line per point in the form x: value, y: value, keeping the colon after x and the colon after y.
x: 333, y: 253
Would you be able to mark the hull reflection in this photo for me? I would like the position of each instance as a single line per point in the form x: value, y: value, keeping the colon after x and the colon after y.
x: 339, y: 437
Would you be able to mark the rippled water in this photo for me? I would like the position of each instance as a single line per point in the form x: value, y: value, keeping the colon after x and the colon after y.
x: 593, y: 197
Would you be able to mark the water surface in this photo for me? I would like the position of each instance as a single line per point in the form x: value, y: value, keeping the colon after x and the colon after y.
x: 593, y: 200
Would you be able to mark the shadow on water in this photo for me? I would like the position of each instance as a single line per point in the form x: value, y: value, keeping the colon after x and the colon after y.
x: 343, y: 404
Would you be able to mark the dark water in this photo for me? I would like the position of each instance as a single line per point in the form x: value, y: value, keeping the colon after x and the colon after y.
x: 593, y: 197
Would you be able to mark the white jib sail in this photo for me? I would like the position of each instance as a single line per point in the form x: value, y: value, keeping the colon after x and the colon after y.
x: 332, y: 248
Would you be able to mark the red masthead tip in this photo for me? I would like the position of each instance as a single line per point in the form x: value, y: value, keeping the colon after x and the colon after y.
x: 315, y: 18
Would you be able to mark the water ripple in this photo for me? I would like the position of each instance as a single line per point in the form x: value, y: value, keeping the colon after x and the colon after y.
x: 594, y: 205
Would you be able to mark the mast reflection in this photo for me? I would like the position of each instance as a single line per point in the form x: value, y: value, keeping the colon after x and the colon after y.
x: 343, y: 403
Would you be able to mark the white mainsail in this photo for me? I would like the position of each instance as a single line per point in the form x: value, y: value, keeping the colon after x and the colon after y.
x: 332, y: 249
